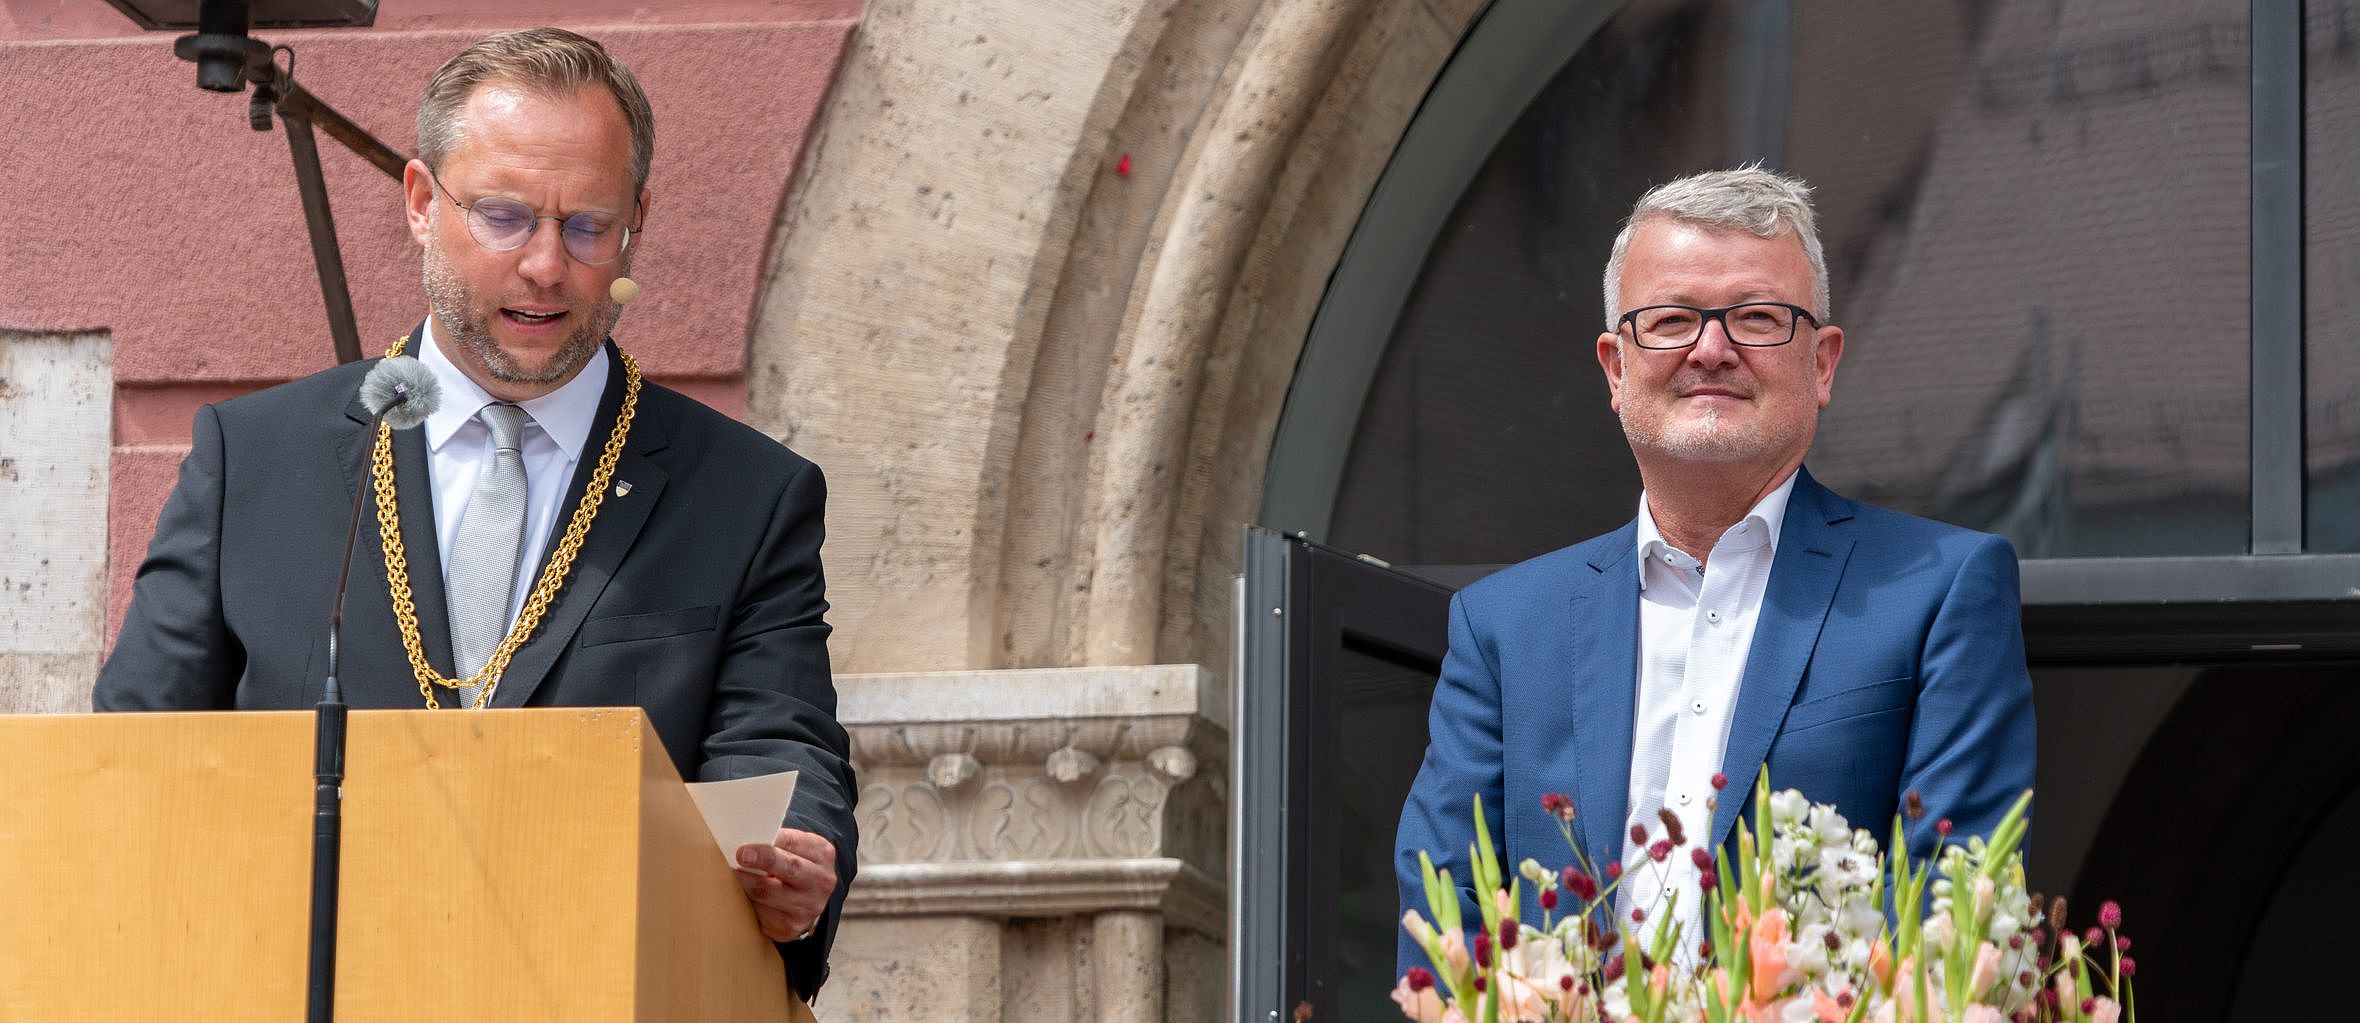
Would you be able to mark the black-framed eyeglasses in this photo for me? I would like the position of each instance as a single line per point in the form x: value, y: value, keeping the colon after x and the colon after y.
x: 502, y: 224
x: 1752, y: 324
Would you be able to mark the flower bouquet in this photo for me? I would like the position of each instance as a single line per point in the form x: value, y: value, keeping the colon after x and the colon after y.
x: 1812, y: 922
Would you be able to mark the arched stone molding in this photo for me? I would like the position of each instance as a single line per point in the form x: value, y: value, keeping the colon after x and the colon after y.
x: 1044, y: 379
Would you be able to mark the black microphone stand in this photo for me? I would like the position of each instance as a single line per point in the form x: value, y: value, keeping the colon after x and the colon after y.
x: 327, y: 835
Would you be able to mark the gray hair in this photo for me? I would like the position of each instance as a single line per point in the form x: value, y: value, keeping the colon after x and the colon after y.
x: 1764, y: 203
x: 551, y: 62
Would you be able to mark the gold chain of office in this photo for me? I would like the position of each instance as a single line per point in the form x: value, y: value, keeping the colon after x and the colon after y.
x: 561, y: 563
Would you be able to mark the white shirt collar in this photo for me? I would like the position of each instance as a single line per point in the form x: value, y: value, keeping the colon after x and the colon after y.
x: 1767, y: 515
x: 564, y: 414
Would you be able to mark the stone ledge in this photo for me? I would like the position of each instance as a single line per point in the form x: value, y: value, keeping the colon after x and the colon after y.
x: 1186, y: 896
x: 1030, y: 694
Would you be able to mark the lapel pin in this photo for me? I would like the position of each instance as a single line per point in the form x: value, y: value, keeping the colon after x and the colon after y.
x: 623, y: 488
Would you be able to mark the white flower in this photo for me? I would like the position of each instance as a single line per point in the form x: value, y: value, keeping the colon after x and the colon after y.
x: 1788, y: 807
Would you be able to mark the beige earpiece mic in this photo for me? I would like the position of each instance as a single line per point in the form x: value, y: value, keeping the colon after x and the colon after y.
x: 624, y: 290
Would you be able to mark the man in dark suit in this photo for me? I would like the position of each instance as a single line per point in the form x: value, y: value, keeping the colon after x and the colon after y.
x: 565, y: 534
x: 1747, y: 617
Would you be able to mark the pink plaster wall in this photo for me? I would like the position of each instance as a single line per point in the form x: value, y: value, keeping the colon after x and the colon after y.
x: 143, y: 206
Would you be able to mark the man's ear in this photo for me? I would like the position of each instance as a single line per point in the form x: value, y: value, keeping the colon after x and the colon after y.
x: 1830, y: 350
x: 1610, y: 360
x: 418, y: 199
x: 646, y: 199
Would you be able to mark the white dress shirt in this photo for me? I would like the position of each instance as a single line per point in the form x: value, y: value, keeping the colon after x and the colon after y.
x: 1696, y: 626
x: 459, y: 448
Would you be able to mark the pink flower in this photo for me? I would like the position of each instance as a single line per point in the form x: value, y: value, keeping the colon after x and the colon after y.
x: 2110, y: 914
x: 1982, y: 1014
x: 1829, y: 1010
x: 2106, y: 1011
x: 1986, y: 969
x: 1767, y: 945
x: 1423, y: 1004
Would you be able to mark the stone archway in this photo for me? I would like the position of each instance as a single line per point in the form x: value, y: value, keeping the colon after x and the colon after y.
x: 1035, y: 304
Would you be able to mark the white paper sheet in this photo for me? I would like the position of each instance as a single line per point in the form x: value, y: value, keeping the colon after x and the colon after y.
x: 744, y: 811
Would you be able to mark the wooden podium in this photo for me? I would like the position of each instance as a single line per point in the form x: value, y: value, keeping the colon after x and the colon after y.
x: 497, y: 865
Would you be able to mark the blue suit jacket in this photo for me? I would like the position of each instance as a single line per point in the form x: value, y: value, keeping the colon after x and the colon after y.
x: 1888, y: 657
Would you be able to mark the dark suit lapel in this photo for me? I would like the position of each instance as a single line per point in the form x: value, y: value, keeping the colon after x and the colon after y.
x: 370, y: 597
x: 414, y: 494
x: 1604, y: 627
x: 1812, y: 551
x: 611, y: 534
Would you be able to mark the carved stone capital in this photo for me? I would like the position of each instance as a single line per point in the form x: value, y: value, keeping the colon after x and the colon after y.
x: 1031, y: 792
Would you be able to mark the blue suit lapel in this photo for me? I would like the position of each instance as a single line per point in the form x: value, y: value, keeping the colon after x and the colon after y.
x: 1812, y: 551
x: 1606, y: 673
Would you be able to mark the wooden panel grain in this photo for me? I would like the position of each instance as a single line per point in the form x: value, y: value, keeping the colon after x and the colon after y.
x: 498, y: 865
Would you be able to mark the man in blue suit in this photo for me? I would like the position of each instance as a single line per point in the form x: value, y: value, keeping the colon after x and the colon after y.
x: 1747, y: 617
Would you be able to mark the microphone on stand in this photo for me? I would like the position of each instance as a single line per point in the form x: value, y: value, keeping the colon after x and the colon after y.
x: 400, y: 392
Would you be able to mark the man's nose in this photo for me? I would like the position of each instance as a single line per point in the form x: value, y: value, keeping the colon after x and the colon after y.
x: 1713, y: 349
x: 543, y: 260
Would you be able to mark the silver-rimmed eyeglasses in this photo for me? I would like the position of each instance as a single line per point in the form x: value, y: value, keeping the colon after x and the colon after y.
x: 1752, y: 324
x: 502, y: 224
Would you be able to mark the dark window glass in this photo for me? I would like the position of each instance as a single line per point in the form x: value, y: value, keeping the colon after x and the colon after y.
x: 1382, y: 705
x: 2035, y: 215
x: 2331, y: 270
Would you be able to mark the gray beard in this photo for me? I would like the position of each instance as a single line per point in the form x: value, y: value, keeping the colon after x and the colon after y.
x: 453, y: 304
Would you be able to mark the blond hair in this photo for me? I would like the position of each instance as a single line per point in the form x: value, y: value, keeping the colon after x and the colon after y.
x: 551, y: 62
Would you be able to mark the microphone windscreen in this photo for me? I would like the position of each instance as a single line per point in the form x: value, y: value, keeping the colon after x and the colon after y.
x: 402, y: 390
x: 624, y: 291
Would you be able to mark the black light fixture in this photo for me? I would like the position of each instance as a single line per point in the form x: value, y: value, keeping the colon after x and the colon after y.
x: 225, y: 55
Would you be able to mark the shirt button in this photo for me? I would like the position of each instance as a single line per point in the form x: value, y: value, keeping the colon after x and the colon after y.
x: 1697, y: 707
x: 1683, y: 799
x: 1712, y: 616
x: 1667, y: 559
x: 1667, y: 891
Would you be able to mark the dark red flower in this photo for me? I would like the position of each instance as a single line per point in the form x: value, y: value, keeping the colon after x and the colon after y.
x: 1638, y: 916
x: 1702, y: 857
x: 1707, y: 880
x: 1720, y: 781
x: 1661, y: 850
x: 1483, y: 950
x: 1419, y: 978
x: 1558, y: 803
x: 1942, y: 827
x: 1549, y: 898
x: 2110, y: 914
x: 1614, y: 969
x: 2130, y: 967
x: 2089, y: 1005
x: 2122, y: 943
x: 1508, y: 933
x: 1915, y: 806
x: 1614, y: 871
x: 1478, y: 982
x: 1565, y: 983
x: 1704, y: 950
x: 1638, y: 834
x: 1844, y: 999
x: 2092, y: 936
x: 1583, y: 886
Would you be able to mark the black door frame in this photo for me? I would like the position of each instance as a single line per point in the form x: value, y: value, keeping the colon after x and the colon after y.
x: 1300, y: 606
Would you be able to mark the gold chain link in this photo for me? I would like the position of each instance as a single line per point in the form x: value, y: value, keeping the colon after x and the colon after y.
x: 561, y: 563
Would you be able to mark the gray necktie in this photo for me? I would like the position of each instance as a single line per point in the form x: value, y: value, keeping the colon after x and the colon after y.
x: 484, y: 554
